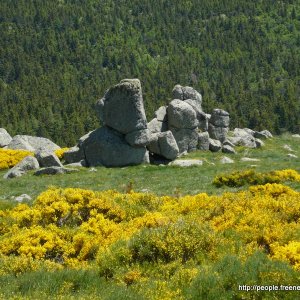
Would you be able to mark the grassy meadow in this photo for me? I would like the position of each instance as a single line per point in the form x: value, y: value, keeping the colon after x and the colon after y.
x: 154, y: 232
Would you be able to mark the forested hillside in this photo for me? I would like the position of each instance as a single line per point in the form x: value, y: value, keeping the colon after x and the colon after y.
x: 58, y: 57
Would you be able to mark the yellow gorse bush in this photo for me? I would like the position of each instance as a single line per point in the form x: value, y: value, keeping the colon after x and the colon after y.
x: 9, y: 158
x: 251, y: 177
x: 60, y: 152
x: 72, y: 227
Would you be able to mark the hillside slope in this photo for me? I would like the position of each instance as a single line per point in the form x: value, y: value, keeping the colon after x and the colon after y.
x: 58, y: 57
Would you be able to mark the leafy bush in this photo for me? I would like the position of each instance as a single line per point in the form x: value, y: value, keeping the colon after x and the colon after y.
x: 9, y: 158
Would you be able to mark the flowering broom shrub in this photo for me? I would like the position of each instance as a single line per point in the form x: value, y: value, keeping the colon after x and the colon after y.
x: 251, y: 177
x: 9, y: 158
x: 127, y: 235
x: 60, y: 152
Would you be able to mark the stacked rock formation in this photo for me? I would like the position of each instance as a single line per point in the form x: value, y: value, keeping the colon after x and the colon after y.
x: 122, y: 139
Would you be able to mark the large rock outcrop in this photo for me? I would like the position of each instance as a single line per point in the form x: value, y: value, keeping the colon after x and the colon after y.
x: 32, y: 143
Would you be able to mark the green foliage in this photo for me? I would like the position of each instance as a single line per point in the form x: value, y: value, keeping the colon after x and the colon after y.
x: 58, y: 57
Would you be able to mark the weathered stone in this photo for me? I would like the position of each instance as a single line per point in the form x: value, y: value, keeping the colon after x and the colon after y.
x: 249, y: 131
x: 155, y: 126
x: 249, y: 159
x: 186, y: 139
x: 27, y: 164
x: 167, y: 145
x: 164, y: 144
x: 22, y: 198
x: 5, y: 138
x: 104, y: 146
x: 161, y: 114
x: 296, y: 135
x: 47, y: 159
x: 266, y: 133
x: 124, y: 108
x: 187, y: 92
x: 181, y: 115
x: 83, y: 138
x: 292, y: 155
x: 228, y: 143
x: 54, y: 170
x: 238, y: 132
x: 288, y: 148
x: 219, y: 118
x: 186, y: 162
x: 217, y: 133
x: 259, y: 143
x: 226, y: 160
x: 138, y: 138
x: 203, y: 141
x: 243, y: 140
x: 81, y: 163
x: 214, y: 145
x: 228, y: 149
x: 73, y: 155
x: 32, y: 143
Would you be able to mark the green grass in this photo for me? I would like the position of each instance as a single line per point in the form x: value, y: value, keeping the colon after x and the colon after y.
x: 162, y: 180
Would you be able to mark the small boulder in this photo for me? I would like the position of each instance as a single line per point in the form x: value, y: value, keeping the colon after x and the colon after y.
x: 228, y: 149
x: 5, y: 138
x: 81, y: 163
x: 161, y: 114
x: 226, y: 160
x: 292, y: 155
x: 186, y: 139
x: 167, y: 145
x: 22, y: 198
x: 54, y: 170
x: 47, y: 159
x: 218, y: 133
x: 27, y: 164
x: 187, y: 92
x: 203, y: 141
x: 186, y: 162
x: 259, y: 143
x: 249, y: 159
x: 155, y: 126
x: 296, y: 135
x: 181, y: 115
x: 214, y: 145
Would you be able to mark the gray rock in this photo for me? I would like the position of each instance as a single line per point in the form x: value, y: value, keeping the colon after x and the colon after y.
x: 138, y: 138
x: 186, y: 162
x: 249, y: 131
x: 5, y: 138
x: 54, y: 171
x: 266, y: 133
x: 155, y: 126
x: 32, y: 143
x: 124, y: 108
x: 181, y: 115
x: 226, y: 160
x: 164, y: 144
x: 187, y: 92
x: 228, y: 149
x: 287, y: 147
x: 244, y: 140
x: 220, y: 118
x: 105, y: 146
x: 22, y: 198
x: 203, y: 141
x: 47, y: 159
x: 73, y: 155
x: 83, y: 138
x: 186, y: 139
x: 259, y: 143
x: 218, y: 133
x: 238, y: 132
x: 249, y: 159
x: 214, y: 145
x: 228, y: 143
x: 292, y: 155
x: 161, y: 114
x: 296, y: 135
x: 167, y: 145
x: 81, y: 163
x: 27, y: 164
